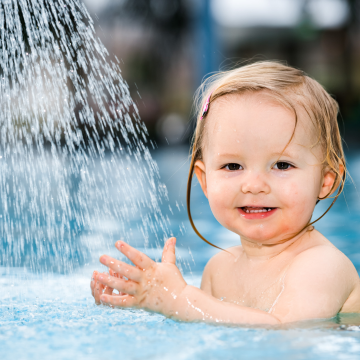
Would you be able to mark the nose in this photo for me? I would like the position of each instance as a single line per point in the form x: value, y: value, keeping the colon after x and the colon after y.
x: 255, y: 183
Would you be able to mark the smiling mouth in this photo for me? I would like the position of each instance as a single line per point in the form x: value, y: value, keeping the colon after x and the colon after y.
x: 254, y: 210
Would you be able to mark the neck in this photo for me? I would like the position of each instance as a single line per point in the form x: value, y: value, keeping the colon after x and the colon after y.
x: 255, y: 250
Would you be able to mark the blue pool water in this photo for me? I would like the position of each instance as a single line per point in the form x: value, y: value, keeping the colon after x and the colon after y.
x: 52, y: 315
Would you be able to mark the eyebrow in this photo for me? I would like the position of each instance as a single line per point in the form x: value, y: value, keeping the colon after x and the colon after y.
x: 227, y: 155
x: 284, y: 153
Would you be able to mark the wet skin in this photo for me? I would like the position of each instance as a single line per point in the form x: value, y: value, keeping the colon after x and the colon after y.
x: 266, y: 195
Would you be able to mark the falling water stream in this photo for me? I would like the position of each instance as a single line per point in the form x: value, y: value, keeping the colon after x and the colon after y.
x: 74, y: 154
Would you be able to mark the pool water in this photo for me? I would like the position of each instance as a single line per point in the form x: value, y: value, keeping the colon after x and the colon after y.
x: 52, y: 315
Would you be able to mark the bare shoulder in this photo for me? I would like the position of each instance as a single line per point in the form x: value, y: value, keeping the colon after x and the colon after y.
x: 325, y: 255
x: 319, y: 282
x: 218, y: 263
x: 324, y: 266
x: 340, y: 272
x: 327, y: 259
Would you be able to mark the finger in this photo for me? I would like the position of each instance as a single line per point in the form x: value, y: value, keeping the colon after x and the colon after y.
x: 128, y: 287
x: 113, y: 273
x: 168, y: 255
x: 122, y: 268
x: 135, y: 256
x: 98, y: 289
x: 92, y: 282
x: 98, y: 292
x: 108, y: 290
x: 94, y: 275
x: 119, y: 301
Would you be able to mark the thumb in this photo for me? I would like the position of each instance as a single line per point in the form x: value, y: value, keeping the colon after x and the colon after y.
x: 168, y: 255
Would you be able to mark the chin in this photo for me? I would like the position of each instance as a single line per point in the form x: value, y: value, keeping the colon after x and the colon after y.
x: 261, y: 235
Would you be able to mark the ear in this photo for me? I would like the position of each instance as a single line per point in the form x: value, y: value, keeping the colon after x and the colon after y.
x: 329, y: 186
x: 200, y: 172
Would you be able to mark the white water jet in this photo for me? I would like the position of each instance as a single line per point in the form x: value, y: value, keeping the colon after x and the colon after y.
x: 75, y: 169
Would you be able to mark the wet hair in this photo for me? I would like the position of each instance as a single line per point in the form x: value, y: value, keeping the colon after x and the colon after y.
x: 289, y: 87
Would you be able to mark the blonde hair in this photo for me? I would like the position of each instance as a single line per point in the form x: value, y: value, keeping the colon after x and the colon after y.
x: 291, y: 88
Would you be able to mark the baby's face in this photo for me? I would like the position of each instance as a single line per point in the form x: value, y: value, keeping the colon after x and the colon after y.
x: 254, y: 188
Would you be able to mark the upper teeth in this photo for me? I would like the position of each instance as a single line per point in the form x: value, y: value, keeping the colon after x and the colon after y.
x: 258, y: 211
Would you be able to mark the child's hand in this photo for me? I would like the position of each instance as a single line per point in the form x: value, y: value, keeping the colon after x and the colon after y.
x: 150, y: 285
x: 98, y: 288
x: 160, y: 287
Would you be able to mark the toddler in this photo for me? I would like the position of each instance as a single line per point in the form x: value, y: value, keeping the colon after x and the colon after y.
x: 266, y: 149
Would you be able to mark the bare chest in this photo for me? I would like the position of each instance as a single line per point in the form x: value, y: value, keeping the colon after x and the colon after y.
x: 257, y: 288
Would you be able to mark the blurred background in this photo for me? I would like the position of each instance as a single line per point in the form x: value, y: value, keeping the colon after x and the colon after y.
x: 166, y: 48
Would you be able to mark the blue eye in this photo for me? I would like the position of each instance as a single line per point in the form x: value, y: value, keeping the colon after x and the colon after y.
x: 233, y: 167
x: 282, y: 165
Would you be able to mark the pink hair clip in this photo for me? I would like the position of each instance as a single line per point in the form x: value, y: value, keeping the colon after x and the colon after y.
x: 205, y: 107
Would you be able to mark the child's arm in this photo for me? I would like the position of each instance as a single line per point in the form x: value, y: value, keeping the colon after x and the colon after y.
x: 160, y: 287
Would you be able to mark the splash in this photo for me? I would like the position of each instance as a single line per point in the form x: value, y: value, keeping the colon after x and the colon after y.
x: 76, y: 172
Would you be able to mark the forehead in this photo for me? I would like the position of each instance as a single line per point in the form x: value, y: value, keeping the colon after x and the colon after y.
x: 255, y: 119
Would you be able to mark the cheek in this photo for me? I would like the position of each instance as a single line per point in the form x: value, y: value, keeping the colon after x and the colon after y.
x: 292, y: 193
x: 221, y: 196
x: 297, y: 197
x: 215, y: 190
